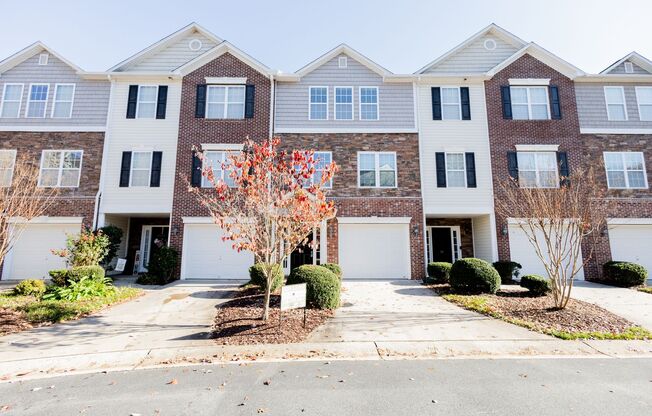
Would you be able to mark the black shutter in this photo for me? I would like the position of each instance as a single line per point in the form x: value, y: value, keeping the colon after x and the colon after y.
x: 512, y: 165
x: 250, y: 97
x: 564, y: 171
x: 466, y: 103
x: 195, y: 176
x: 470, y: 170
x: 162, y: 101
x: 506, y: 96
x: 555, y: 105
x: 132, y: 101
x: 436, y: 103
x: 125, y: 169
x: 440, y: 161
x: 155, y: 176
x: 200, y: 101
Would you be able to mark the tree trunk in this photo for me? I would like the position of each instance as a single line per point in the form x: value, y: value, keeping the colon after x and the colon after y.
x: 269, y: 277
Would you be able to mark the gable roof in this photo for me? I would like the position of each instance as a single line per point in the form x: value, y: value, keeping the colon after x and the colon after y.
x: 543, y: 55
x: 26, y: 53
x: 634, y: 57
x: 492, y: 29
x: 220, y: 50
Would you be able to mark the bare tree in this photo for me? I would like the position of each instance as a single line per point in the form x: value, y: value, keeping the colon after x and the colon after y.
x: 557, y: 221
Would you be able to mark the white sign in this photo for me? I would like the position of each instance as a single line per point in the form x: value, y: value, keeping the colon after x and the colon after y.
x: 120, y: 265
x: 294, y: 296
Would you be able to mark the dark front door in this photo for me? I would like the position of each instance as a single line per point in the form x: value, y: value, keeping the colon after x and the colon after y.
x: 301, y: 255
x: 441, y: 244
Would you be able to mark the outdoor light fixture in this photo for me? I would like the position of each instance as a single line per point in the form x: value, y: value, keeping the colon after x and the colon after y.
x: 504, y: 230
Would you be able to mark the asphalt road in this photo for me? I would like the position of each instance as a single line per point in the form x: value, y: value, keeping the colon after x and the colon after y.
x: 443, y: 387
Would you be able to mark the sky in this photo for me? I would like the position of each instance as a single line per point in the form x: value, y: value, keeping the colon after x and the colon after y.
x: 401, y: 35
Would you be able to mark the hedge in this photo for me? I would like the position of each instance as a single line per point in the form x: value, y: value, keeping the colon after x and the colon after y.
x: 30, y: 287
x: 624, y: 274
x: 507, y: 270
x: 257, y: 276
x: 471, y: 275
x: 537, y: 285
x: 322, y: 284
x: 335, y: 268
x: 438, y: 272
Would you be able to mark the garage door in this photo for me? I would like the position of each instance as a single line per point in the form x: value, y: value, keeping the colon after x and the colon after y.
x: 632, y: 243
x: 374, y: 251
x: 206, y: 256
x: 522, y: 251
x: 31, y: 256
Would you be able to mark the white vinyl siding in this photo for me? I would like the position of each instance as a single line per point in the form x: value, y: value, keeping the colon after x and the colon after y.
x: 11, y: 100
x: 451, y: 104
x: 537, y: 170
x: 318, y: 103
x: 343, y: 103
x: 64, y: 97
x: 530, y: 103
x: 369, y: 103
x: 147, y: 97
x: 225, y: 102
x: 141, y: 169
x: 60, y: 168
x: 455, y: 170
x: 616, y: 107
x: 215, y: 159
x: 625, y: 170
x: 377, y: 170
x: 644, y: 99
x: 7, y: 164
x: 37, y: 100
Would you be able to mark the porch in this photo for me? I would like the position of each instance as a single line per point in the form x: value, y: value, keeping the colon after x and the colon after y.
x: 451, y: 238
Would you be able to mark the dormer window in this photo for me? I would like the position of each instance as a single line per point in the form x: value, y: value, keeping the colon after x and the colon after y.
x: 629, y: 68
x: 342, y: 62
x: 43, y: 59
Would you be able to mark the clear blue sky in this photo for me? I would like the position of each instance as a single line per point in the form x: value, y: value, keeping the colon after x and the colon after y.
x: 402, y: 35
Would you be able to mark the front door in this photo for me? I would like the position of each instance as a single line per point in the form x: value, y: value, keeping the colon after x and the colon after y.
x: 442, y: 249
x: 152, y: 239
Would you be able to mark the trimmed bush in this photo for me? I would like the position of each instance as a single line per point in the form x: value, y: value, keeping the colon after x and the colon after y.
x: 471, y: 275
x: 335, y: 268
x: 537, y: 285
x: 59, y: 277
x: 624, y: 274
x: 92, y: 272
x: 507, y: 270
x: 323, y: 285
x: 257, y: 276
x: 30, y: 287
x: 163, y: 264
x: 438, y: 272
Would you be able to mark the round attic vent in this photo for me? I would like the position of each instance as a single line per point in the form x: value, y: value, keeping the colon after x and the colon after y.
x: 194, y: 45
x: 489, y: 44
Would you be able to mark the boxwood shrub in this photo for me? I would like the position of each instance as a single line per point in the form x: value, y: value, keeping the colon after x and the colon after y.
x: 471, y: 275
x: 624, y: 274
x: 507, y: 270
x: 257, y: 276
x: 322, y: 284
x: 438, y: 272
x: 335, y: 268
x: 59, y: 277
x: 537, y: 285
x: 30, y: 287
x: 63, y: 277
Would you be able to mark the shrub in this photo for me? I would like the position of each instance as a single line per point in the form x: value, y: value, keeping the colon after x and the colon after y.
x: 438, y: 272
x: 59, y: 277
x: 624, y: 274
x: 323, y: 285
x: 257, y: 276
x: 148, y: 279
x: 114, y: 235
x: 471, y: 275
x: 30, y: 287
x: 163, y: 264
x: 537, y: 285
x: 86, y: 287
x: 86, y: 249
x: 92, y: 272
x: 507, y: 270
x: 335, y: 268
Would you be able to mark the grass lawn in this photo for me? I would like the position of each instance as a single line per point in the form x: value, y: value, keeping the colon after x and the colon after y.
x: 645, y: 290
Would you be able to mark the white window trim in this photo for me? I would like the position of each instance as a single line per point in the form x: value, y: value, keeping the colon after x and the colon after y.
x: 537, y: 172
x: 537, y: 147
x: 638, y: 102
x: 459, y: 103
x: 310, y: 103
x: 466, y: 185
x: 377, y: 170
x: 227, y: 89
x: 360, y: 103
x: 149, y: 169
x: 138, y: 101
x: 606, y: 101
x: 342, y: 62
x: 628, y: 67
x: 529, y: 82
x: 43, y: 59
x: 622, y: 155
x: 13, y: 166
x: 529, y: 102
x: 335, y: 103
x: 20, y: 102
x: 29, y: 94
x: 60, y: 175
x: 205, y: 183
x: 226, y: 80
x: 54, y: 99
x: 329, y: 184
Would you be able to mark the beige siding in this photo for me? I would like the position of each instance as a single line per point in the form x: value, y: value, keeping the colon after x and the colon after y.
x: 173, y: 56
x: 475, y: 58
x: 483, y: 238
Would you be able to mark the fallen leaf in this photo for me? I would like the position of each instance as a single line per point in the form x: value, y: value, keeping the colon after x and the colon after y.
x: 435, y: 401
x: 322, y: 376
x: 261, y: 410
x: 4, y: 408
x: 37, y: 388
x: 411, y: 378
x: 173, y: 381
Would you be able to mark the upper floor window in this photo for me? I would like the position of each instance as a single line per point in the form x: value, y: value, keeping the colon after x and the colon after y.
x: 147, y: 97
x: 37, y: 100
x: 322, y: 159
x: 318, y: 103
x: 141, y: 168
x: 7, y: 164
x: 450, y: 104
x: 343, y: 103
x: 615, y: 99
x: 63, y: 100
x: 215, y: 160
x: 644, y: 99
x: 11, y: 100
x: 368, y: 103
x: 530, y: 103
x: 43, y: 59
x: 625, y: 170
x: 629, y: 68
x: 60, y: 168
x: 225, y: 102
x: 455, y: 170
x: 537, y: 169
x: 377, y: 169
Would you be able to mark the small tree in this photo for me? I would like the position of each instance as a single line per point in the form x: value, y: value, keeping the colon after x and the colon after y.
x: 87, y: 248
x: 273, y: 203
x: 556, y: 222
x: 114, y: 235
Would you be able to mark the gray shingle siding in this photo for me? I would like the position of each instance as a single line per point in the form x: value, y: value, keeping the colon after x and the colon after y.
x: 620, y: 69
x: 475, y: 58
x: 592, y: 107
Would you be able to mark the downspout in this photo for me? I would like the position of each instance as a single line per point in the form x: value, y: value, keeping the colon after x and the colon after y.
x: 272, y: 104
x: 105, y: 149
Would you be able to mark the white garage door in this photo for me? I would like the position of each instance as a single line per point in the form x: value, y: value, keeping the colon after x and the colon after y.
x: 206, y: 256
x: 31, y: 256
x: 522, y: 251
x: 632, y: 243
x: 374, y: 251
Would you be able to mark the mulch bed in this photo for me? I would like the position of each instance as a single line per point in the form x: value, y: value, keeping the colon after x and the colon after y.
x: 12, y: 321
x: 238, y: 321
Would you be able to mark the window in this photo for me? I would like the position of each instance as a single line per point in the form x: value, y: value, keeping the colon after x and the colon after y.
x: 7, y: 163
x: 60, y: 168
x: 63, y: 98
x: 343, y: 103
x: 37, y: 100
x: 215, y: 159
x: 537, y: 169
x: 225, y: 101
x: 11, y: 99
x: 530, y: 103
x: 644, y: 99
x: 616, y: 108
x: 455, y: 170
x: 322, y: 159
x: 141, y: 168
x: 43, y: 59
x: 318, y: 103
x: 368, y: 103
x: 376, y: 170
x: 629, y: 68
x: 625, y: 169
x: 147, y: 97
x: 342, y: 62
x: 450, y: 104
